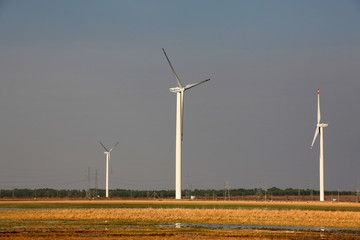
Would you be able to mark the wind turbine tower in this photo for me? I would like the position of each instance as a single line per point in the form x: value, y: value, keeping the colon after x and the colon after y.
x: 107, y: 153
x: 320, y: 128
x: 179, y: 90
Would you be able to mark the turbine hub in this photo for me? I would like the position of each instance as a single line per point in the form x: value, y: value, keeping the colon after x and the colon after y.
x: 322, y: 125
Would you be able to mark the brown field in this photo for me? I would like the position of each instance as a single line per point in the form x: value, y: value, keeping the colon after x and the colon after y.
x: 202, y: 216
x: 146, y: 223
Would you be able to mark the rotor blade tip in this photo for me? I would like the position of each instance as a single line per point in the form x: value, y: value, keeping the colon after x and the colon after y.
x: 318, y: 91
x: 311, y: 147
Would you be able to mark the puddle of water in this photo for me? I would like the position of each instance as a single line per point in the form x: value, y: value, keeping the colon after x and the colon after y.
x: 290, y: 228
x: 85, y: 225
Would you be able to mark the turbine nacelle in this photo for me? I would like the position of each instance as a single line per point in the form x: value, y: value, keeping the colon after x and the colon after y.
x: 323, y: 125
x: 176, y: 89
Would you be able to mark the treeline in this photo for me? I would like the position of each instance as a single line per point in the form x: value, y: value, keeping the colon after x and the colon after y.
x: 124, y: 193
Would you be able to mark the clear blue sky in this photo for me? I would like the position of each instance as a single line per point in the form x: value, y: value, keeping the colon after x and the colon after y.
x: 73, y: 73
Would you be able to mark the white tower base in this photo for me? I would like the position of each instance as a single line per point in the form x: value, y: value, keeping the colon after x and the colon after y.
x: 322, y: 191
x: 107, y: 175
x: 178, y: 147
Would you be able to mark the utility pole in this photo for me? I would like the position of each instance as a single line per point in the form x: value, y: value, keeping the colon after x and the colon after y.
x: 96, y: 185
x: 88, y: 195
x: 265, y: 191
x: 227, y: 190
x: 188, y: 185
x: 258, y: 187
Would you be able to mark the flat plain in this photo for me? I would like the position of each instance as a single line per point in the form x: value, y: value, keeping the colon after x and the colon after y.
x: 171, y: 219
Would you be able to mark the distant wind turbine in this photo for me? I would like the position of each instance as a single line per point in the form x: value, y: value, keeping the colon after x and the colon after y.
x: 179, y: 90
x: 320, y: 128
x: 107, y: 153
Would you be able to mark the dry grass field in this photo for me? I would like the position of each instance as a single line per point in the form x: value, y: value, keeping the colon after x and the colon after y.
x: 146, y: 223
x: 326, y: 219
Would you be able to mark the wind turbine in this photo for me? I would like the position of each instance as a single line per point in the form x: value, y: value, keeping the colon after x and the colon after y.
x: 320, y: 128
x: 179, y: 90
x: 107, y: 153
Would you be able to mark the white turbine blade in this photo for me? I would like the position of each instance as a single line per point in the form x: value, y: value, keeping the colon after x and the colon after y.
x: 195, y: 84
x: 175, y: 75
x: 318, y: 112
x: 113, y: 146
x: 104, y: 147
x: 315, y: 135
x: 110, y: 164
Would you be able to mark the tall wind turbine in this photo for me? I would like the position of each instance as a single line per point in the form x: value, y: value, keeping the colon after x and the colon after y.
x: 320, y: 128
x: 107, y: 153
x: 179, y: 90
